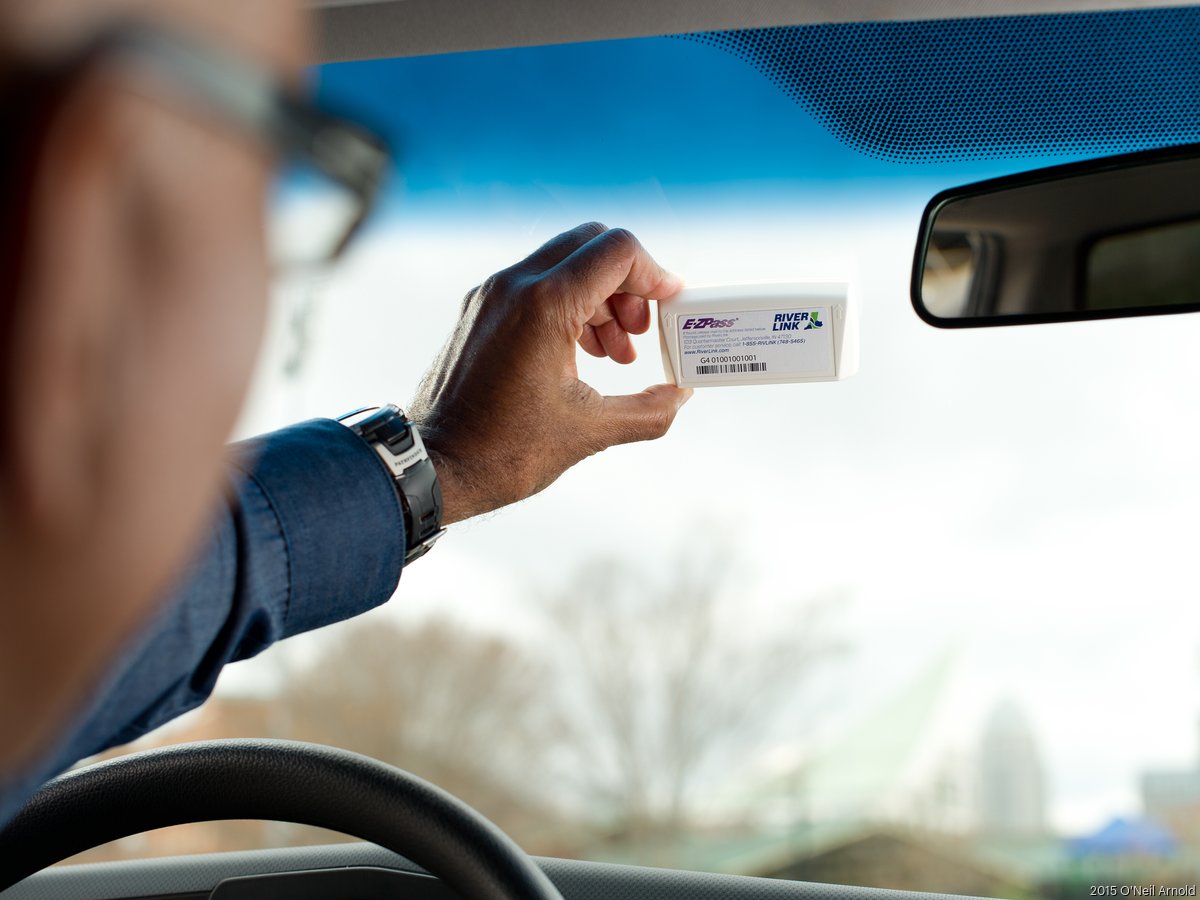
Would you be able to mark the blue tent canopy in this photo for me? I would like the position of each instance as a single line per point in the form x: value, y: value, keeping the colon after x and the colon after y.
x: 1125, y: 837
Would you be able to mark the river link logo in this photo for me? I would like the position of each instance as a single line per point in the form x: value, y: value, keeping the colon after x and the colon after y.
x: 794, y: 320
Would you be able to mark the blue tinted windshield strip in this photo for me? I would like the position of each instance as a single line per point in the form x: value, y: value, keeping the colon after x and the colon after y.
x: 843, y: 112
x: 1079, y: 84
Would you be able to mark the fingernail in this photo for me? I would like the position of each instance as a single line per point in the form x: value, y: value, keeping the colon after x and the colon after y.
x: 685, y: 394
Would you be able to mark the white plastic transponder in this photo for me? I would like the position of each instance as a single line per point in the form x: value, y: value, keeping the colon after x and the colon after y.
x: 759, y: 334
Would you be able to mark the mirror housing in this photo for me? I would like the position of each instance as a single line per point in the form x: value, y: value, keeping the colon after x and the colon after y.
x: 1103, y: 238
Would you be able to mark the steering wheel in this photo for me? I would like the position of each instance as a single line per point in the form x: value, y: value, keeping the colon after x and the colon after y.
x: 280, y: 780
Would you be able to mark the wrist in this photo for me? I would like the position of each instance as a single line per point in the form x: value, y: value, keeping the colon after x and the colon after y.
x: 455, y: 506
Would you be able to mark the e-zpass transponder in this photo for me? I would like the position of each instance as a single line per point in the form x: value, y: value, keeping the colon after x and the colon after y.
x: 759, y: 334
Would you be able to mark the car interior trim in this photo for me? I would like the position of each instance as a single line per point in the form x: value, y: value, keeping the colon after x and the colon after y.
x: 349, y: 30
x: 177, y: 877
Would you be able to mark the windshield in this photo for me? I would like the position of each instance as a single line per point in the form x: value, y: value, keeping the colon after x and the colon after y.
x: 932, y: 627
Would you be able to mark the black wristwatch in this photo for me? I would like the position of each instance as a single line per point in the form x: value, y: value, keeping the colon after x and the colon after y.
x: 396, y: 440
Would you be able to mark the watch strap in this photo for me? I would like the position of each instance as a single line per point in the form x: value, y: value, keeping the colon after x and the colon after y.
x: 397, y: 442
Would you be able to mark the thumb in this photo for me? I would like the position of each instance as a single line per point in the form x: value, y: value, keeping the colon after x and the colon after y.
x: 643, y: 416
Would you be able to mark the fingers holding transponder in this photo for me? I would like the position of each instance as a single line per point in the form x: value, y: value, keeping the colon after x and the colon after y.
x: 559, y: 247
x: 632, y: 311
x: 611, y: 263
x: 614, y: 339
x: 590, y: 342
x: 606, y: 333
x: 643, y: 416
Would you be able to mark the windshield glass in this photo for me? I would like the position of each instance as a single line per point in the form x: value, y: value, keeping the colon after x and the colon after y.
x: 932, y: 627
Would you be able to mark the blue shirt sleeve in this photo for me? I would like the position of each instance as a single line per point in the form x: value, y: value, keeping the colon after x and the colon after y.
x: 311, y: 532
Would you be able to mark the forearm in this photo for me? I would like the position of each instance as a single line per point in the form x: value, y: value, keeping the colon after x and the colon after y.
x: 310, y: 533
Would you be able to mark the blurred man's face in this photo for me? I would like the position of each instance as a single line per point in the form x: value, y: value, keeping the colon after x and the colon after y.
x: 184, y: 262
x: 140, y: 305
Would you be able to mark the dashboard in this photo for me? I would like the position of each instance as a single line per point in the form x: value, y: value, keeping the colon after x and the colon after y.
x: 366, y: 872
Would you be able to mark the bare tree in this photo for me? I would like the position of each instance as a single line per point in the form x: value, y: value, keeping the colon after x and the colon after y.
x: 668, y: 681
x: 469, y: 711
x: 662, y: 681
x: 465, y: 710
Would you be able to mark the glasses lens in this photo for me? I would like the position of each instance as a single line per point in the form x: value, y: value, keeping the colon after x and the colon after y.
x: 309, y: 216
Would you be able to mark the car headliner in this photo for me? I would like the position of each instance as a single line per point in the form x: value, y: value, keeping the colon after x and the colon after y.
x: 354, y: 29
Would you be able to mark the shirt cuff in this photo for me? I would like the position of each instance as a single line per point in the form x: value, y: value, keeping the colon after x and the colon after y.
x: 339, y: 515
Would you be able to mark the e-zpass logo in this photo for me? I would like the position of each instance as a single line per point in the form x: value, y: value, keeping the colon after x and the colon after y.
x: 709, y: 322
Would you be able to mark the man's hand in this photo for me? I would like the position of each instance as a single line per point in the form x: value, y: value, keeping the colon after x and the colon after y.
x: 502, y: 410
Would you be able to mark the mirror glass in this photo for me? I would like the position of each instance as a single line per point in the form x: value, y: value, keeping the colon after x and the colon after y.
x: 1109, y: 237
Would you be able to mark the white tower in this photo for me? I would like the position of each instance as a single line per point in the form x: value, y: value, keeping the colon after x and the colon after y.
x: 1012, y: 797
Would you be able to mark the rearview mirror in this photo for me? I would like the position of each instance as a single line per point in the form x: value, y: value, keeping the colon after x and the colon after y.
x: 1118, y: 236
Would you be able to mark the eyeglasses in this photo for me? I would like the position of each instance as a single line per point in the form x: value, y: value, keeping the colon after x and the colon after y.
x: 332, y: 169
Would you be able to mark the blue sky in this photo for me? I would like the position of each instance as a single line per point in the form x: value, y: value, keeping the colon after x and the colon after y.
x: 653, y: 119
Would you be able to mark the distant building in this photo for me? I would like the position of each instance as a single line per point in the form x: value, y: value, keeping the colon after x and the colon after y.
x: 1012, y: 793
x: 1165, y: 793
x: 906, y: 761
x: 1172, y: 797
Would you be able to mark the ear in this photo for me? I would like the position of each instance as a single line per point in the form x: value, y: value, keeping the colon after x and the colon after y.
x: 62, y: 322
